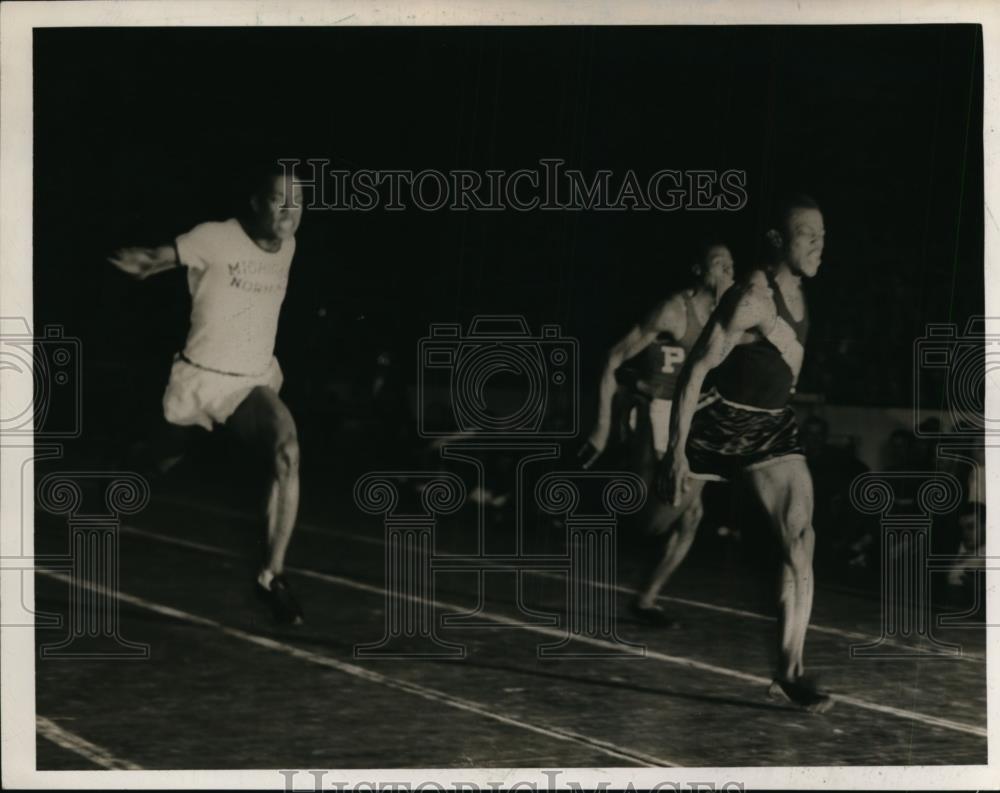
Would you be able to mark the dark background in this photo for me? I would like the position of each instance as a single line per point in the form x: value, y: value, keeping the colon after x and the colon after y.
x: 139, y: 134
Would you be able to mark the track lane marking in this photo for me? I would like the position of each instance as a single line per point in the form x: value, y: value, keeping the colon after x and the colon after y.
x: 312, y: 528
x: 434, y: 695
x: 72, y: 742
x: 689, y: 663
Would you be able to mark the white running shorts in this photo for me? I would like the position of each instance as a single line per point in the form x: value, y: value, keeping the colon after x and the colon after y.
x: 659, y: 419
x: 204, y: 397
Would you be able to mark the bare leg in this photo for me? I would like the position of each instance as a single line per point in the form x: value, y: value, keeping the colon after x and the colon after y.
x: 785, y: 490
x: 264, y: 421
x: 678, y: 541
x: 789, y: 664
x: 671, y: 527
x: 282, y: 509
x: 805, y: 601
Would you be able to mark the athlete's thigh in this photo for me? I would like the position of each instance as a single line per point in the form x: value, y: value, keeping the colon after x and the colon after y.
x: 262, y: 419
x: 786, y: 491
x: 692, y: 503
x: 659, y: 421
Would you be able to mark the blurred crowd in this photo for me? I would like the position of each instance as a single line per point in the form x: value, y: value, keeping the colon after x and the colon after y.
x: 860, y: 352
x: 849, y: 543
x: 372, y: 416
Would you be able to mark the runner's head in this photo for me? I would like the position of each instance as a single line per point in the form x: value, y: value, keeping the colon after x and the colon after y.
x: 713, y: 266
x: 276, y: 203
x: 796, y: 235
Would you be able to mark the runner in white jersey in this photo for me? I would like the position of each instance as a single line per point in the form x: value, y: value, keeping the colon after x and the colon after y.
x: 227, y: 375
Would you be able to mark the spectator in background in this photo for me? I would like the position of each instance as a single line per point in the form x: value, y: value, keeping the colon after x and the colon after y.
x: 904, y: 455
x: 898, y: 456
x: 925, y: 446
x: 899, y: 451
x: 971, y: 553
x: 969, y: 528
x: 976, y: 483
x: 833, y: 469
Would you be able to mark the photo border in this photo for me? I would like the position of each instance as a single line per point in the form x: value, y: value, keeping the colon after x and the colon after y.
x: 17, y: 650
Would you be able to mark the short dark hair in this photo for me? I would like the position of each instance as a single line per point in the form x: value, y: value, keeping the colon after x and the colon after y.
x: 785, y: 205
x: 705, y: 243
x: 262, y: 173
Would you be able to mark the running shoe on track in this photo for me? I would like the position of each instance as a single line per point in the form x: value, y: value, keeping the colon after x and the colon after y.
x: 283, y: 603
x: 653, y: 616
x: 801, y: 692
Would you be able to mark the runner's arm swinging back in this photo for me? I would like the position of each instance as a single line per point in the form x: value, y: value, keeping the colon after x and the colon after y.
x: 742, y: 308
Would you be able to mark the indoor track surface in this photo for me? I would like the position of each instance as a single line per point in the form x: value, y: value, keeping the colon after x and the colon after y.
x: 225, y: 687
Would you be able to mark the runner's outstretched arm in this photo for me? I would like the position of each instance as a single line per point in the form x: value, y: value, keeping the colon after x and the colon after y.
x: 144, y: 262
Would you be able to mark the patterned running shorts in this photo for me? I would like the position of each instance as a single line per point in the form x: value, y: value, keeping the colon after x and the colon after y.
x: 726, y: 439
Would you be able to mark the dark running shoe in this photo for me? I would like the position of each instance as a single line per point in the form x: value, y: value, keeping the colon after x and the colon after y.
x: 283, y: 604
x: 653, y: 616
x: 801, y: 692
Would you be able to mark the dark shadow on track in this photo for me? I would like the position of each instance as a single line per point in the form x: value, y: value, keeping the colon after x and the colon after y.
x: 614, y: 684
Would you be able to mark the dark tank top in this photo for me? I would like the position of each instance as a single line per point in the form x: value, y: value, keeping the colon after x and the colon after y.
x: 755, y: 374
x: 654, y: 370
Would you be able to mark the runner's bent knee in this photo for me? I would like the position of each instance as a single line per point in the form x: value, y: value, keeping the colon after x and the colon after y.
x: 286, y: 454
x: 692, y: 515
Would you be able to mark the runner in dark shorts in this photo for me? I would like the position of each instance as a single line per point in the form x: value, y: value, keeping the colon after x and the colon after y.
x: 753, y: 347
x: 727, y: 438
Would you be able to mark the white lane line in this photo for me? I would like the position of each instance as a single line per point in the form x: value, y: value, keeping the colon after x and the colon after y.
x: 689, y: 663
x: 98, y: 755
x: 425, y: 692
x: 855, y: 636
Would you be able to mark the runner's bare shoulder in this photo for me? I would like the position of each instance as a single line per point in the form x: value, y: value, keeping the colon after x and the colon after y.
x: 669, y: 316
x: 749, y: 306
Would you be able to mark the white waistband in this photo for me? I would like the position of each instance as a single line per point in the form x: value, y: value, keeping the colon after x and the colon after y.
x: 720, y: 398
